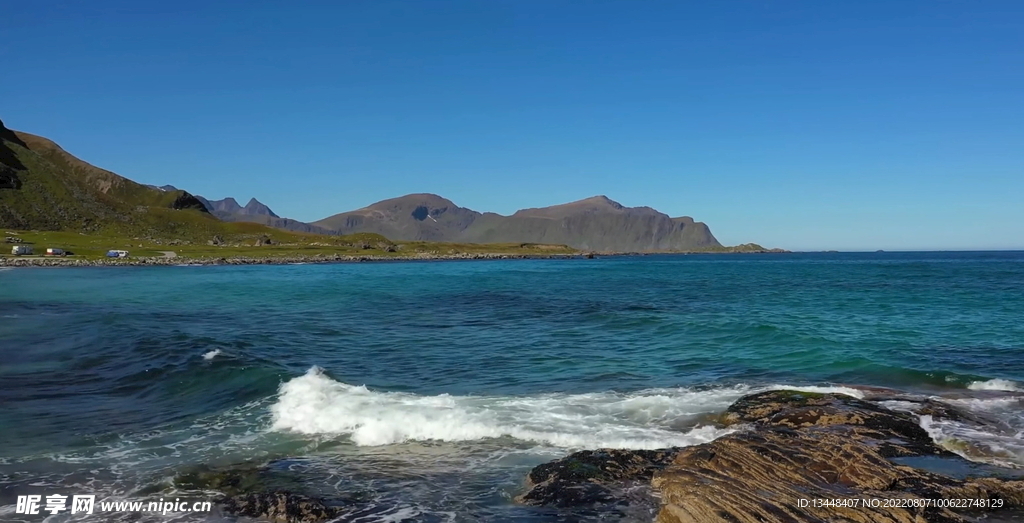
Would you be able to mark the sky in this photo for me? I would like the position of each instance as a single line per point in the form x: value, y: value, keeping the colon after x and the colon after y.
x: 811, y: 125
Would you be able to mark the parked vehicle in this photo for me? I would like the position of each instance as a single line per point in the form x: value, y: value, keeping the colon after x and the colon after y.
x: 117, y: 254
x: 21, y: 250
x: 52, y: 251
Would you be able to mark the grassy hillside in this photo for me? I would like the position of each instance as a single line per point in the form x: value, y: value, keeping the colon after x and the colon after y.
x: 48, y: 189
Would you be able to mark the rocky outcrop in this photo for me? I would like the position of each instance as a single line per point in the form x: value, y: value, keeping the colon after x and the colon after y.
x: 258, y: 491
x: 595, y: 478
x: 795, y: 455
x: 280, y: 507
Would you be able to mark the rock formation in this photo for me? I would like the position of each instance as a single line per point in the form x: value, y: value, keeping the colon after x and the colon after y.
x: 794, y: 454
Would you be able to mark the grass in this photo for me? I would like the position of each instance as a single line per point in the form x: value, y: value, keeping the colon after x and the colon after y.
x: 240, y: 240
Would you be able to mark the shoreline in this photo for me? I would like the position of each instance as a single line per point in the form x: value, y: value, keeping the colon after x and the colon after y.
x: 269, y: 260
x: 182, y: 260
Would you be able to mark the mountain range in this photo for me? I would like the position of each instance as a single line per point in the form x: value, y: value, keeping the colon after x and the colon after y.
x: 44, y: 187
x: 596, y: 223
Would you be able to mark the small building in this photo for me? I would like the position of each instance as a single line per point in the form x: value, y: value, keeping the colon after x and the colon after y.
x: 117, y: 254
x: 53, y: 251
x: 21, y: 250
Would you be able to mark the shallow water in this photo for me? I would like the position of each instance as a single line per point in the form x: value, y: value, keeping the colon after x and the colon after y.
x: 426, y: 390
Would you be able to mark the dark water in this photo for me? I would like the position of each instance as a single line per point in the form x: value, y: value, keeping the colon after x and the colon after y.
x: 427, y: 390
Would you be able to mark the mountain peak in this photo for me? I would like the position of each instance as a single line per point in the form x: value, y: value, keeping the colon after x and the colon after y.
x: 256, y: 207
x: 599, y: 200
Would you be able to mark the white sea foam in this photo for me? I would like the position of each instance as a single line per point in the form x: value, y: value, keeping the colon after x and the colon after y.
x: 1000, y: 443
x: 656, y: 418
x: 995, y: 384
x: 212, y: 354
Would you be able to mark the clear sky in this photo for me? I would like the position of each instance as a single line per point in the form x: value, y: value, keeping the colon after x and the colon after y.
x: 804, y: 125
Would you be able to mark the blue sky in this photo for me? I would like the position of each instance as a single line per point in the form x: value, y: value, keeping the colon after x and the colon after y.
x: 803, y: 125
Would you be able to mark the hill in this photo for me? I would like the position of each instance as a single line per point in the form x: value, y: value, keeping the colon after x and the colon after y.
x: 414, y: 217
x: 43, y: 187
x: 596, y: 223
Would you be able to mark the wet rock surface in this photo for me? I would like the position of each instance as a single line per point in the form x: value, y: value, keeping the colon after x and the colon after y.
x: 594, y: 478
x: 793, y: 454
x: 282, y: 506
x: 267, y: 492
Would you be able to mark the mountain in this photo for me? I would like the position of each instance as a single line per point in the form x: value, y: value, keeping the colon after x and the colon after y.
x: 422, y: 217
x: 43, y: 187
x: 596, y: 223
x: 228, y: 210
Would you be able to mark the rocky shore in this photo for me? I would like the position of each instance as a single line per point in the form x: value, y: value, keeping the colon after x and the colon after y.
x: 268, y: 260
x: 794, y: 457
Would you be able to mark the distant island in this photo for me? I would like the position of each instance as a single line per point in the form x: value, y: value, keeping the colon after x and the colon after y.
x: 45, y: 189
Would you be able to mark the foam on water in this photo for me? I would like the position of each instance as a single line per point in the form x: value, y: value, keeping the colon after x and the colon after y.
x: 1001, y: 444
x: 995, y: 384
x: 655, y: 418
x: 212, y: 354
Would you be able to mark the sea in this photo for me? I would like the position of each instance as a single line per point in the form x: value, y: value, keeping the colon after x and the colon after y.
x: 425, y: 391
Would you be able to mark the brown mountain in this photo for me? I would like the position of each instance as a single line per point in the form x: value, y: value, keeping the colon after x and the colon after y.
x: 426, y: 217
x: 596, y: 223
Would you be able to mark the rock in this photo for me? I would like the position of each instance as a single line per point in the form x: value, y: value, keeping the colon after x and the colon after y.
x: 229, y: 480
x: 258, y: 491
x: 790, y: 446
x: 280, y: 507
x: 217, y: 240
x: 593, y: 477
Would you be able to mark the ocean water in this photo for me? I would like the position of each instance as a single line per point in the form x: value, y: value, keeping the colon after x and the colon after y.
x: 425, y: 391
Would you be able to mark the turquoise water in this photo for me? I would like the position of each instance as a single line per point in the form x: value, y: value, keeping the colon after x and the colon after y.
x: 426, y: 390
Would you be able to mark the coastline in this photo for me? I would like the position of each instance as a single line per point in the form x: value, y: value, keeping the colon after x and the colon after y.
x: 181, y: 260
x: 269, y: 260
x: 788, y: 455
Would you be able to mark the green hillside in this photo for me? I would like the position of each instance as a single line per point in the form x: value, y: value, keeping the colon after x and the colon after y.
x: 47, y: 188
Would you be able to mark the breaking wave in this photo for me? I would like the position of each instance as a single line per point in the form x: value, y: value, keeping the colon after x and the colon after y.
x: 656, y: 418
x: 995, y: 384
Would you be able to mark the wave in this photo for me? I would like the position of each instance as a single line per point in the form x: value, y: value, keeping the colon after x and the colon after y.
x: 212, y: 354
x: 995, y: 384
x: 656, y: 418
x: 999, y: 440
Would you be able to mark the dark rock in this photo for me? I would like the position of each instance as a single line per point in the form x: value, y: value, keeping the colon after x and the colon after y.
x: 9, y: 178
x: 187, y: 201
x: 229, y: 480
x: 281, y: 507
x: 592, y: 477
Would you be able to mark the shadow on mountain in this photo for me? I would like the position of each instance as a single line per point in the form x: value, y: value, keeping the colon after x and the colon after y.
x: 7, y: 155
